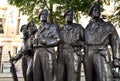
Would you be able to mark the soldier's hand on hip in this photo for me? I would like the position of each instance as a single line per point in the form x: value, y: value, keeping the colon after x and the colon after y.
x: 116, y: 62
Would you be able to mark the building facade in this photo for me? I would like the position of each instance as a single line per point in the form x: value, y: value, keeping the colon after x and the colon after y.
x: 10, y: 38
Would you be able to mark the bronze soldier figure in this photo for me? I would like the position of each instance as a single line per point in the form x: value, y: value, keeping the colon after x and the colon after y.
x: 98, y: 36
x: 21, y: 52
x: 45, y: 40
x: 32, y: 29
x: 27, y: 51
x: 69, y: 55
x: 12, y: 68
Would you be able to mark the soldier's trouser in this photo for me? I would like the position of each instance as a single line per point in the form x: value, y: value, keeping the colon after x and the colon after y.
x: 69, y: 66
x: 29, y: 73
x: 24, y: 67
x: 43, y: 66
x: 96, y: 67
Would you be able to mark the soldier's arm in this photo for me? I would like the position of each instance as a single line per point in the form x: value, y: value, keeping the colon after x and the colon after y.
x: 114, y: 42
x: 38, y: 40
x: 18, y: 56
x: 54, y: 38
x: 80, y: 37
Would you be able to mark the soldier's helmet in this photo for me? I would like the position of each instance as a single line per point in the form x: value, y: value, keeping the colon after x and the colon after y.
x: 44, y: 10
x: 70, y: 10
x: 23, y: 27
x: 31, y: 23
x: 91, y: 9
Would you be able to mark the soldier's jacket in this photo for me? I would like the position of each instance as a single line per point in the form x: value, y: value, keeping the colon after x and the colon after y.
x: 102, y: 34
x: 30, y: 45
x: 71, y: 37
x: 25, y: 49
x: 47, y: 37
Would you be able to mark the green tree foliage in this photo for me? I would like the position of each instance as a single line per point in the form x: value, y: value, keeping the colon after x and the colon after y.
x: 32, y: 8
x: 106, y: 2
x: 76, y: 5
x: 115, y: 18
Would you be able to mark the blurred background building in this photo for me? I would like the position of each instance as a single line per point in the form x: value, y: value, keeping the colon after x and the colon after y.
x: 10, y: 22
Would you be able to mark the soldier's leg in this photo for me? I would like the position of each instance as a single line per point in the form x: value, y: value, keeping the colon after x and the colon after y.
x: 60, y: 69
x: 88, y: 67
x: 119, y: 73
x: 73, y: 67
x: 37, y: 71
x: 24, y: 67
x: 47, y: 66
x: 103, y: 68
x: 29, y: 74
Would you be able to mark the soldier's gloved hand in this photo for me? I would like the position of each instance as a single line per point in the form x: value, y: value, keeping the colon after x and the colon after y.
x: 116, y: 62
x: 41, y: 41
x: 35, y: 42
x: 12, y: 59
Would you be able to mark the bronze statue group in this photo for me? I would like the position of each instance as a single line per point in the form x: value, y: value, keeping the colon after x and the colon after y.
x: 39, y: 62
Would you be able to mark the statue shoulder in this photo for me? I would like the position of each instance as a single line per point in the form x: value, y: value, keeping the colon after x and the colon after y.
x: 110, y: 26
x: 79, y: 27
x: 109, y: 23
x: 89, y: 24
x: 54, y: 25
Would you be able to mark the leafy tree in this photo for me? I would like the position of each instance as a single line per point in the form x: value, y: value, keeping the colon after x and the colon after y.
x: 115, y: 18
x: 106, y: 2
x: 32, y: 7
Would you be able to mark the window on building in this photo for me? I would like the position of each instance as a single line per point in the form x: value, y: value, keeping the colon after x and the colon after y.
x: 0, y: 56
x: 14, y: 51
x: 2, y: 20
x: 18, y: 24
x: 18, y: 27
x: 1, y: 26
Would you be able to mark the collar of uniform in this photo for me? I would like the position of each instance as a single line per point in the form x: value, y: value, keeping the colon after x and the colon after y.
x: 68, y: 27
x: 99, y: 21
x: 45, y: 26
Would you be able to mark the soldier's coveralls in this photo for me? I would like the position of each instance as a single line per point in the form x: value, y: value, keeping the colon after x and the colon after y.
x: 69, y: 55
x: 27, y: 60
x: 46, y: 39
x: 30, y: 56
x: 26, y: 52
x: 97, y: 60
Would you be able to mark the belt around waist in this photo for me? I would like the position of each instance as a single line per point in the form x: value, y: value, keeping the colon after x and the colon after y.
x: 94, y: 44
x: 97, y: 46
x: 68, y: 46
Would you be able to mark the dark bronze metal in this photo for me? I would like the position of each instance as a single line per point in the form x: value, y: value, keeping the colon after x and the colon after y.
x: 22, y: 53
x: 98, y: 36
x: 27, y: 51
x: 45, y: 40
x: 69, y: 55
x: 13, y: 69
x: 32, y: 29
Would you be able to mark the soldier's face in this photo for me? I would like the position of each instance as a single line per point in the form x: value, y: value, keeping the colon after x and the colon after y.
x: 31, y: 28
x: 96, y: 12
x: 24, y: 30
x: 43, y: 16
x: 69, y: 16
